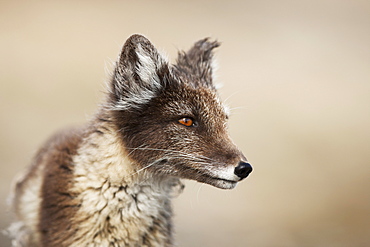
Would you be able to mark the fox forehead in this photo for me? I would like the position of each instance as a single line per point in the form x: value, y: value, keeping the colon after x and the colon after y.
x: 199, y: 102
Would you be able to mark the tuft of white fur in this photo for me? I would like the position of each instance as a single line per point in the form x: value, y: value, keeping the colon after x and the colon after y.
x: 138, y: 97
x: 227, y: 109
x: 146, y: 68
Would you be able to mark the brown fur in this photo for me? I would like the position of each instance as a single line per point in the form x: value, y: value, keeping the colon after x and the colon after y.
x: 59, y: 204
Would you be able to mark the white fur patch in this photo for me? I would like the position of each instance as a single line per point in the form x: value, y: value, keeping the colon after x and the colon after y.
x: 226, y: 173
x: 25, y: 230
x: 117, y: 206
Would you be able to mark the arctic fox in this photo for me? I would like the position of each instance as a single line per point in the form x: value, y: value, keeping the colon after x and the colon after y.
x: 110, y: 183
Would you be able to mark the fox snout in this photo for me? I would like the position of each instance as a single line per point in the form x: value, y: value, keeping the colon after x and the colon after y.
x: 232, y: 168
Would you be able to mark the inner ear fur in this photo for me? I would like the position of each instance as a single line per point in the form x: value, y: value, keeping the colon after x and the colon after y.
x: 139, y: 73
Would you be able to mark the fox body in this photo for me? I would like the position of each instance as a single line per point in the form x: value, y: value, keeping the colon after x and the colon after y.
x: 110, y: 183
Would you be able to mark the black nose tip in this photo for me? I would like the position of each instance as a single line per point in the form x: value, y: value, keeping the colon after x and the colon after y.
x: 243, y: 169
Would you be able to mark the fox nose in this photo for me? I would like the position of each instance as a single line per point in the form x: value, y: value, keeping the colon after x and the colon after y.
x: 243, y: 169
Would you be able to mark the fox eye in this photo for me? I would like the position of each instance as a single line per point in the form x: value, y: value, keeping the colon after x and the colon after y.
x: 186, y: 121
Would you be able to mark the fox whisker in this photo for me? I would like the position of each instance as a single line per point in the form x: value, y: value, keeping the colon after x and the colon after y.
x: 175, y: 151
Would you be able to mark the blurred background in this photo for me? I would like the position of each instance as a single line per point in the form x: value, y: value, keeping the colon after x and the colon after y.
x: 295, y: 73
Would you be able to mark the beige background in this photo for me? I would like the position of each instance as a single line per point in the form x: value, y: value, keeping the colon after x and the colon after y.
x: 297, y: 74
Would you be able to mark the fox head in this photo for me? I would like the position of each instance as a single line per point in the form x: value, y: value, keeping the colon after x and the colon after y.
x: 170, y: 118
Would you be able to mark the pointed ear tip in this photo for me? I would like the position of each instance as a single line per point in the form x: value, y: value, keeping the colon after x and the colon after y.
x: 129, y: 47
x: 207, y: 43
x: 133, y: 42
x: 137, y: 38
x: 212, y: 41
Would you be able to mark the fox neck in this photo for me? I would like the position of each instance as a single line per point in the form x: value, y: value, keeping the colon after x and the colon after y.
x: 118, y: 200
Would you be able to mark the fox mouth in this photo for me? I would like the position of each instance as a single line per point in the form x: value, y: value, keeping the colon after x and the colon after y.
x: 221, y: 180
x: 220, y: 183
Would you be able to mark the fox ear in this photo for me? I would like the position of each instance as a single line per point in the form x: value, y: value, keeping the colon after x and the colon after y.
x: 139, y: 74
x: 198, y: 62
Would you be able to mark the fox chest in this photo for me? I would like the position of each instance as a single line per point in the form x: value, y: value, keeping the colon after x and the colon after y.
x: 123, y: 216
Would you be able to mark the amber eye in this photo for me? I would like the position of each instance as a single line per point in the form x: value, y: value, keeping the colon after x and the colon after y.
x: 188, y: 122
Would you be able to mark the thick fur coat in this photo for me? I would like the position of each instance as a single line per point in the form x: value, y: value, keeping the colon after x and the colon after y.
x: 110, y: 182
